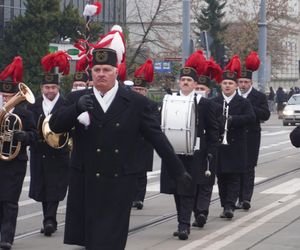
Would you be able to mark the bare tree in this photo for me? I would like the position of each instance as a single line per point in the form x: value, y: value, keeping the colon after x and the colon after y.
x: 242, y: 34
x: 153, y: 24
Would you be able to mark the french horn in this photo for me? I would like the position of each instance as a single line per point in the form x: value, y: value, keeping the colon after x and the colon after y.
x: 54, y: 140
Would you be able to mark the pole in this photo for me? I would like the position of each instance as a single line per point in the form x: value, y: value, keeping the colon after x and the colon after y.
x: 185, y: 30
x: 262, y: 46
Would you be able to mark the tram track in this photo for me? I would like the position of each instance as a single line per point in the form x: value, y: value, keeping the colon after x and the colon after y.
x: 169, y: 216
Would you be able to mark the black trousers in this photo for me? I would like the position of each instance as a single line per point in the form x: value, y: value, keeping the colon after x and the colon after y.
x: 229, y: 188
x: 141, y: 186
x: 247, y: 185
x: 202, y: 199
x: 184, y: 207
x: 49, y: 211
x: 8, y: 220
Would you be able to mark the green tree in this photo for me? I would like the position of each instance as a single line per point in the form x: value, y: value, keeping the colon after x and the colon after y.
x: 29, y: 35
x: 209, y: 19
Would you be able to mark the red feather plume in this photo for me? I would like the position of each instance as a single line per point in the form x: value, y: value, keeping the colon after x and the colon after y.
x: 14, y: 70
x: 214, y: 70
x: 145, y: 71
x: 58, y: 59
x: 196, y: 61
x: 252, y: 61
x: 234, y: 65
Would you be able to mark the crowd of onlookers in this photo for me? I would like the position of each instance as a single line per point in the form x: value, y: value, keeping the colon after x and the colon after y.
x: 277, y: 100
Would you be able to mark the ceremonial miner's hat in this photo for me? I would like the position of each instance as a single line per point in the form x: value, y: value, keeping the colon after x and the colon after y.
x: 111, y: 48
x: 144, y: 74
x: 232, y: 70
x: 59, y: 59
x: 189, y: 71
x: 11, y: 76
x: 252, y: 63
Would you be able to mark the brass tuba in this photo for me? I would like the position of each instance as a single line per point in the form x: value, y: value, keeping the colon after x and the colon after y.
x: 11, y: 122
x: 54, y: 140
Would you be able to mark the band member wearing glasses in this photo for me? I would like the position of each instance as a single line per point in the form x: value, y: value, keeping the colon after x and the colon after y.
x: 260, y: 106
x: 12, y: 171
x: 235, y: 113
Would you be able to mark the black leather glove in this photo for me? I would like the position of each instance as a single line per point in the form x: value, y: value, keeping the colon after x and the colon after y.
x: 85, y: 103
x: 20, y: 136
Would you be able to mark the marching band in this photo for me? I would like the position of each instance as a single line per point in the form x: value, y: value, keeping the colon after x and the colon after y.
x: 114, y: 130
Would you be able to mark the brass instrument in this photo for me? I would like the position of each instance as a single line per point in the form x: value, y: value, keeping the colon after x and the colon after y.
x: 11, y: 122
x: 54, y: 140
x: 225, y: 113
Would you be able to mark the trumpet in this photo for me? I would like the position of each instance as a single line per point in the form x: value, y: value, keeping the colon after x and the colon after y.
x: 9, y: 123
x: 225, y: 113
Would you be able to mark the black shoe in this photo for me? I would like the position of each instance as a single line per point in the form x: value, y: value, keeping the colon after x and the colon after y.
x: 139, y: 205
x: 5, y: 245
x: 49, y: 229
x: 200, y: 221
x: 183, y: 234
x: 239, y: 205
x: 222, y: 215
x: 246, y: 205
x: 175, y: 234
x: 228, y: 213
x: 134, y: 203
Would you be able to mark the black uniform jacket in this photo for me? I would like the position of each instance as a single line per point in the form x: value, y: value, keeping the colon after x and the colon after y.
x: 144, y: 153
x: 260, y: 106
x: 207, y: 129
x: 295, y: 137
x: 232, y: 158
x: 48, y: 166
x: 12, y: 172
x: 102, y: 161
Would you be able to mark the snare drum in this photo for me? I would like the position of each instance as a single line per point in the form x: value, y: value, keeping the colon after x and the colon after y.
x: 178, y: 122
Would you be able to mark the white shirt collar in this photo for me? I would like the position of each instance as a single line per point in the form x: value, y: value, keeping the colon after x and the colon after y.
x: 193, y: 93
x: 245, y: 95
x: 108, y: 98
x: 48, y: 104
x: 228, y: 98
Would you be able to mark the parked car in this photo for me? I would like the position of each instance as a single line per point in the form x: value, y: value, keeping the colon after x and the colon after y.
x: 291, y: 111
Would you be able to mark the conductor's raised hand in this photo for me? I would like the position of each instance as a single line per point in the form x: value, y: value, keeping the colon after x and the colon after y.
x: 85, y: 103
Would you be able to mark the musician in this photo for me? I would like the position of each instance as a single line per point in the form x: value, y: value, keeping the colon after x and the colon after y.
x: 80, y: 80
x: 196, y: 165
x: 208, y: 133
x: 103, y: 176
x: 12, y: 172
x: 260, y: 106
x: 48, y: 165
x: 236, y: 113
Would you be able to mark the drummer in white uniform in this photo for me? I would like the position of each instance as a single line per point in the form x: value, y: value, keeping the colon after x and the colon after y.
x: 208, y: 127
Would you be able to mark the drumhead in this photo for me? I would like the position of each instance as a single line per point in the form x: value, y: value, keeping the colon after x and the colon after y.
x: 178, y: 122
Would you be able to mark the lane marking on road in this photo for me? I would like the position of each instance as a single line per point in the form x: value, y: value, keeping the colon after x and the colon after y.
x: 253, y: 225
x: 234, y: 224
x: 281, y: 132
x: 290, y: 187
x: 275, y: 145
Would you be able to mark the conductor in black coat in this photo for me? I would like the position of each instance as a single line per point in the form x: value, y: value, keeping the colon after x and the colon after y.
x: 48, y: 165
x: 253, y: 131
x: 108, y: 121
x: 12, y: 172
x: 236, y: 113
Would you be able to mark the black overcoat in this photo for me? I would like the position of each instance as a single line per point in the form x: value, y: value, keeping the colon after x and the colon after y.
x: 48, y: 166
x: 12, y: 172
x: 103, y: 174
x: 260, y: 106
x: 196, y: 165
x: 232, y: 158
x: 144, y: 153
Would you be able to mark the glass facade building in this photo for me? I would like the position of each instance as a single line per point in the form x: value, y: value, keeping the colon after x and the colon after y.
x: 113, y: 11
